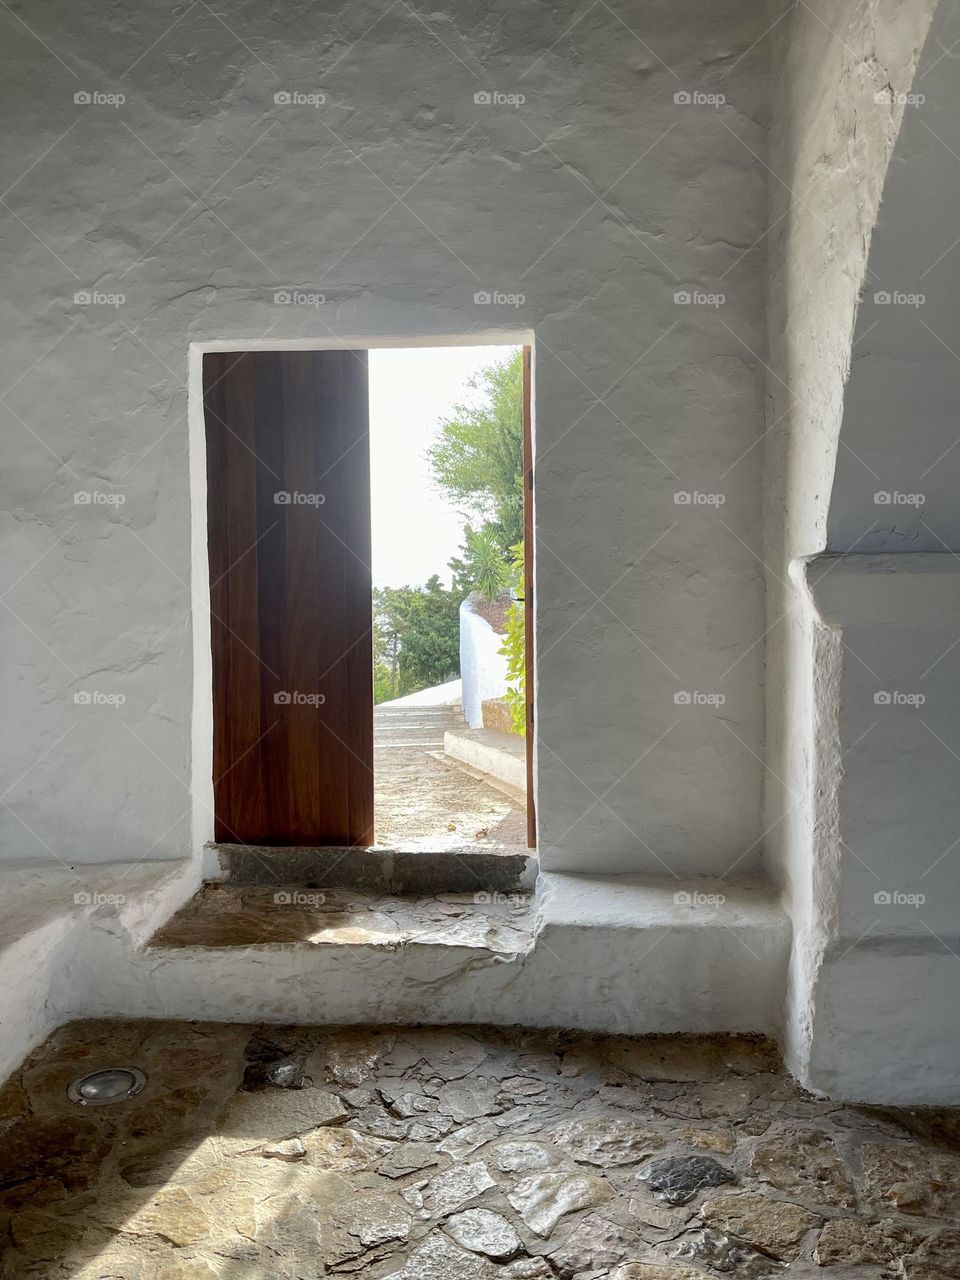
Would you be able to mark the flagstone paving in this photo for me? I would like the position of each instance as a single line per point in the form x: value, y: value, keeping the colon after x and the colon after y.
x: 460, y: 1154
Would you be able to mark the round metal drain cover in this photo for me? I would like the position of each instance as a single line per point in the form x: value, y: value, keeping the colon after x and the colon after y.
x: 115, y: 1084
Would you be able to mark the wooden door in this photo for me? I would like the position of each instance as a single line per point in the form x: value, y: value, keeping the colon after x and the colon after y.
x: 288, y: 487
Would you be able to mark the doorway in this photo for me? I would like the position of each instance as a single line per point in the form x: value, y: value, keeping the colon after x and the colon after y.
x: 292, y: 620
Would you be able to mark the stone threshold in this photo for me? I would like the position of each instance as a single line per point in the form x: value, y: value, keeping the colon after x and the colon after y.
x: 225, y: 916
x: 375, y: 869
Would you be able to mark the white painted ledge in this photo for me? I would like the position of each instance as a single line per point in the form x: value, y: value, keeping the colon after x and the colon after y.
x: 643, y: 957
x: 498, y: 754
x: 48, y: 913
x: 610, y: 954
x: 919, y: 589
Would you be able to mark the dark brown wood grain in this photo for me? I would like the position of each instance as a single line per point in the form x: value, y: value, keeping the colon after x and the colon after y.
x: 290, y: 596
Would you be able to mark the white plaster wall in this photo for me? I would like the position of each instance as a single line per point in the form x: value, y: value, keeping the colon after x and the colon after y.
x: 885, y: 992
x: 899, y: 431
x: 483, y: 668
x: 398, y: 200
x: 830, y: 149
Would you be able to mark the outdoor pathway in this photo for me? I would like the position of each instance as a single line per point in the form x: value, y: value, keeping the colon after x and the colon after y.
x: 423, y: 799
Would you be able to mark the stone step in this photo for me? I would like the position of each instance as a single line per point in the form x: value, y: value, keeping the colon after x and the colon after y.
x: 374, y: 870
x: 223, y: 917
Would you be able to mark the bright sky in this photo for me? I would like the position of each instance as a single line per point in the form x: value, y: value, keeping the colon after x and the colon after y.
x: 415, y: 529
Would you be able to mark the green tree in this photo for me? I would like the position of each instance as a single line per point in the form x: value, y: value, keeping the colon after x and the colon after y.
x: 416, y: 638
x: 390, y: 608
x: 477, y: 459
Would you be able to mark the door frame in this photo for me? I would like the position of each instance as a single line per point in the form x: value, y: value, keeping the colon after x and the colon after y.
x: 201, y: 732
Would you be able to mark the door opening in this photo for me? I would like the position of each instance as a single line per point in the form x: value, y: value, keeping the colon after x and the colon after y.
x: 371, y: 688
x: 448, y: 428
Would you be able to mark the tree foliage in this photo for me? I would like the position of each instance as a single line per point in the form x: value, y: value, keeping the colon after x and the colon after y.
x: 416, y: 638
x: 477, y: 459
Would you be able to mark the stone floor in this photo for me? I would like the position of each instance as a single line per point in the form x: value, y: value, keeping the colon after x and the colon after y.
x: 423, y: 800
x: 248, y: 915
x: 460, y: 1154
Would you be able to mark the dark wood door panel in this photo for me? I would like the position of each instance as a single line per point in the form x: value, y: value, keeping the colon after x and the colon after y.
x: 289, y: 549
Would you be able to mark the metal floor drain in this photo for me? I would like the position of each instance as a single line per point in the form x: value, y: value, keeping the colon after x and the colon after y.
x: 115, y: 1084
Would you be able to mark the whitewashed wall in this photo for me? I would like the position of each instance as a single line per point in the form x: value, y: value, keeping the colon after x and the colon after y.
x: 483, y: 668
x: 859, y: 805
x: 403, y: 201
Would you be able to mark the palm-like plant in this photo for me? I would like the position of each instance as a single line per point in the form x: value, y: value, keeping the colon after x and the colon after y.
x: 484, y: 563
